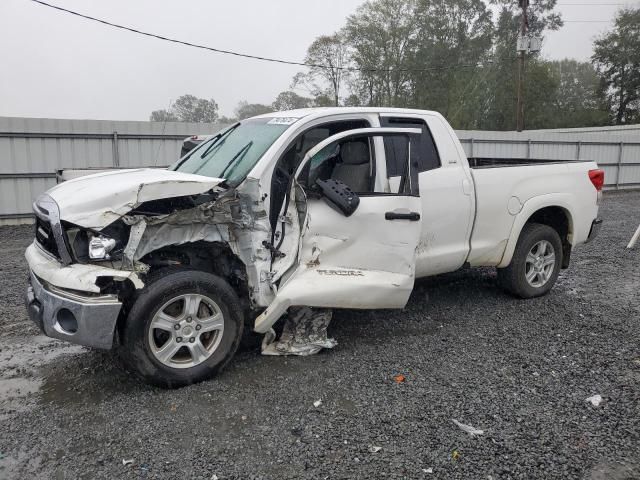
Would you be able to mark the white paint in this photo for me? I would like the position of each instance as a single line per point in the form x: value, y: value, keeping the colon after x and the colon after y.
x: 75, y: 276
x: 95, y: 201
x: 362, y: 261
x: 634, y: 239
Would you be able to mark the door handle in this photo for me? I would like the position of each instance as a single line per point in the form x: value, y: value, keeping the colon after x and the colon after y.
x: 411, y: 216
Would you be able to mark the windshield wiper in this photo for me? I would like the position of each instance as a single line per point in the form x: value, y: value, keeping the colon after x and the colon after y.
x: 238, y: 156
x: 218, y: 137
x: 214, y: 141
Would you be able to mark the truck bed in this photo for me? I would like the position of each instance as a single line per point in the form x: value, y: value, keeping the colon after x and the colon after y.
x: 487, y: 162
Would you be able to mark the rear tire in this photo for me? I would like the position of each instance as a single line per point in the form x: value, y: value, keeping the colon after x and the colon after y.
x: 536, y: 262
x: 183, y: 328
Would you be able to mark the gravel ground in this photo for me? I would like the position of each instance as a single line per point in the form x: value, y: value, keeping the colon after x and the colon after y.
x: 518, y: 370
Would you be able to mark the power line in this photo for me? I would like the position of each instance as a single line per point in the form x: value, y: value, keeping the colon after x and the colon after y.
x: 246, y: 55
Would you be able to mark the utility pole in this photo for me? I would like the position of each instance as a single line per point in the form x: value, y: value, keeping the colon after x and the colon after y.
x: 522, y: 51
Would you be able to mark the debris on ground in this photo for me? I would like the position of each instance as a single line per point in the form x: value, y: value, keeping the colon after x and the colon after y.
x: 126, y: 462
x: 304, y: 333
x: 594, y: 400
x: 455, y: 455
x: 427, y: 470
x: 399, y: 378
x: 374, y: 449
x: 467, y: 428
x: 317, y: 403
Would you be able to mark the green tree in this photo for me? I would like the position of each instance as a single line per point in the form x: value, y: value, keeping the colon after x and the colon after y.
x: 323, y: 100
x: 246, y: 109
x: 290, y: 100
x: 617, y: 57
x: 382, y: 37
x: 163, y: 116
x: 188, y: 108
x: 454, y: 44
x: 578, y: 101
x: 501, y: 80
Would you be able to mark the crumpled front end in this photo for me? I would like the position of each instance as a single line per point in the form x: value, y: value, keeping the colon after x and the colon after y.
x: 89, y: 321
x: 66, y: 303
x: 76, y: 297
x: 64, y: 298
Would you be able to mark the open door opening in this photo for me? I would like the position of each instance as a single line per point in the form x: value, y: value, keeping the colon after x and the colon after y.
x: 355, y: 246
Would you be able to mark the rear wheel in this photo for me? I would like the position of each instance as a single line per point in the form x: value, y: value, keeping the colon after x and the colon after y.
x: 536, y: 262
x: 183, y: 328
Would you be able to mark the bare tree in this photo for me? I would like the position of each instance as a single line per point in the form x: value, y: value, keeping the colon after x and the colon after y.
x: 329, y: 56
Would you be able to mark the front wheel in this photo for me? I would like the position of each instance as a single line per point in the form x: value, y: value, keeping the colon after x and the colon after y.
x: 536, y: 261
x: 183, y: 328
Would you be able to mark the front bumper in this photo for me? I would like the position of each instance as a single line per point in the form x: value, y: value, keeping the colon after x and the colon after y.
x: 89, y: 321
x: 595, y: 229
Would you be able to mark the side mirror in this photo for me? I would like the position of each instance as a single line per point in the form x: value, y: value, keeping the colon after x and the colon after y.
x: 339, y: 196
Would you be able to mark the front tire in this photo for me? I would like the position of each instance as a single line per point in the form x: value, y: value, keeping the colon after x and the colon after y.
x: 183, y: 328
x: 536, y: 262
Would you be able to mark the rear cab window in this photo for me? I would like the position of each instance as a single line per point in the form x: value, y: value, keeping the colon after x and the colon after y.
x: 424, y: 153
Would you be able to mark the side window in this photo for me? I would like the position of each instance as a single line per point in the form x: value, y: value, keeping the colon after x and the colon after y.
x: 351, y: 162
x: 291, y: 158
x: 424, y: 154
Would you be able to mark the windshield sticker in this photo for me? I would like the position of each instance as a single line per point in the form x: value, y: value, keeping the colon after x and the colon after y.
x: 282, y: 121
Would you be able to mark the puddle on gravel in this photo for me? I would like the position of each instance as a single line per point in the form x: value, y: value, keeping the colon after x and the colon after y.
x: 22, y: 361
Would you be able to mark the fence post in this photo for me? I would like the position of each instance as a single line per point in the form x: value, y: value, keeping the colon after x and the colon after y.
x: 471, y: 149
x: 619, y: 166
x: 529, y: 148
x: 116, y: 153
x: 578, y: 145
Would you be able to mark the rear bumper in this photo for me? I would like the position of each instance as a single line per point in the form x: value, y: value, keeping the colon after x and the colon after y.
x: 595, y: 229
x: 89, y: 321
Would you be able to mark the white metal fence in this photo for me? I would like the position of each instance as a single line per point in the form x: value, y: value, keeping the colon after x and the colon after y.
x: 618, y: 156
x: 32, y: 149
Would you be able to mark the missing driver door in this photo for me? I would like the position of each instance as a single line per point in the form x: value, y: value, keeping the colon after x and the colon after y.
x: 365, y: 260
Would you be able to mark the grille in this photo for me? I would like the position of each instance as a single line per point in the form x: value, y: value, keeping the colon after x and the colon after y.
x: 45, y: 237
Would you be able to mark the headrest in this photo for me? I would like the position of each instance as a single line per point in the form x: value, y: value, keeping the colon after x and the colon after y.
x: 355, y: 152
x: 312, y: 138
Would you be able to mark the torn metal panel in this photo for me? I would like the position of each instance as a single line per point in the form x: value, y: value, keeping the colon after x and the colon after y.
x: 248, y: 242
x: 207, y: 222
x: 81, y: 277
x: 95, y: 201
x: 304, y: 333
x: 237, y: 218
x: 362, y: 261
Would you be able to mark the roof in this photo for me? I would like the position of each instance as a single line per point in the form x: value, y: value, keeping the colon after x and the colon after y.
x: 304, y: 112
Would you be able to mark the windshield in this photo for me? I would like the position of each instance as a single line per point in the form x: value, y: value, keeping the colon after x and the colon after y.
x: 233, y: 152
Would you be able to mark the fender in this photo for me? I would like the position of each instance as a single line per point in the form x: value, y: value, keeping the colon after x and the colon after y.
x: 531, y: 206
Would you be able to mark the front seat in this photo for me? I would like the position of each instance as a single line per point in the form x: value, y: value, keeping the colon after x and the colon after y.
x: 354, y: 166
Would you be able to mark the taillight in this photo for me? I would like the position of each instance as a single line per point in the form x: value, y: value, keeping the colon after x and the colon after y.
x: 597, y: 178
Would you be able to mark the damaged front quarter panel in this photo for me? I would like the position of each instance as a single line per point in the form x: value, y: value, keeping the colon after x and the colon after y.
x: 236, y: 218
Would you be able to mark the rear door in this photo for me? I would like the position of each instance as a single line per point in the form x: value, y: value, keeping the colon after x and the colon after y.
x: 446, y: 189
x: 364, y: 260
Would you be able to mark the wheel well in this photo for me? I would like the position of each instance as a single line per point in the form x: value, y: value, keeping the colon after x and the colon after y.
x: 211, y: 257
x: 560, y: 220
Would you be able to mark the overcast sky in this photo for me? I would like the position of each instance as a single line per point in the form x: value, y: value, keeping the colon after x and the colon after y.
x: 59, y: 66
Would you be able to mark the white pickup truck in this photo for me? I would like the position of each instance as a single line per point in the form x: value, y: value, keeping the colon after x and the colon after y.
x: 330, y: 208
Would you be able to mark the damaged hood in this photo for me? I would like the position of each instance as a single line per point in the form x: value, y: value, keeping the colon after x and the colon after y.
x: 95, y: 201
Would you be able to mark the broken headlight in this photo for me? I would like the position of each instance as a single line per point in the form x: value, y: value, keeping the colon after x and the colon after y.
x: 99, y: 247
